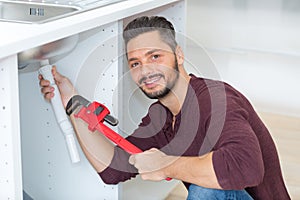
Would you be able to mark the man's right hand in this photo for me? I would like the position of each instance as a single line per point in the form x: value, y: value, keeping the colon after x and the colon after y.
x: 64, y: 85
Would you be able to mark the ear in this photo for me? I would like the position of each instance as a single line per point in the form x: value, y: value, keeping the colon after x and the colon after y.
x: 179, y: 55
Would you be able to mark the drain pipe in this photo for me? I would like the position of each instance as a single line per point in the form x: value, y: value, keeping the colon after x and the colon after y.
x: 60, y: 113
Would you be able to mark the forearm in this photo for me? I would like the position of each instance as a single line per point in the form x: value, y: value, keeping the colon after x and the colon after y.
x: 96, y: 147
x: 195, y: 170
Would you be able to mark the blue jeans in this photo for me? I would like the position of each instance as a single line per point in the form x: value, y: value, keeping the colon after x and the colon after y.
x: 200, y: 193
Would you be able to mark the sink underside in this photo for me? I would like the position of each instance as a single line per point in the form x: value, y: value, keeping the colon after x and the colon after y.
x: 40, y: 12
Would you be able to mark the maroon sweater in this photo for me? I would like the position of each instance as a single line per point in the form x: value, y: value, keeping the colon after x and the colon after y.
x: 214, y: 117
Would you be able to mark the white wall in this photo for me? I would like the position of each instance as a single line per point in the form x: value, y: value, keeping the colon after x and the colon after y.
x: 253, y: 45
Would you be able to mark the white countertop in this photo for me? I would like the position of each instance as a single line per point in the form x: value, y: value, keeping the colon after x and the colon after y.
x: 17, y: 37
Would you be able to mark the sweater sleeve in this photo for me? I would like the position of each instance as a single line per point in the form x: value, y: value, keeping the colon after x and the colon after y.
x: 237, y: 157
x: 119, y: 169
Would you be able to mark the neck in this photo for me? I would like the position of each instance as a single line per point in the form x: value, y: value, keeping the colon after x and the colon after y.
x: 174, y: 100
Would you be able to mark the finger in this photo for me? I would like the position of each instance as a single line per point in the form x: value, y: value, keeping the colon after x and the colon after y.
x: 54, y: 70
x: 153, y: 150
x: 152, y: 176
x: 144, y: 176
x: 57, y: 76
x: 132, y: 159
x: 40, y: 77
x: 46, y: 90
x: 49, y: 96
x: 44, y: 83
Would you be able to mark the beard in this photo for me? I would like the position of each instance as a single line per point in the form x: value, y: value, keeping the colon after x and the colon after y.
x: 166, y: 90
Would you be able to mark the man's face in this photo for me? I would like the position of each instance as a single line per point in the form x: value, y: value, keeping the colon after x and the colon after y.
x: 153, y: 64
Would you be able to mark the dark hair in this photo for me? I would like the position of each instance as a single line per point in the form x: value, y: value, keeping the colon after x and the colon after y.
x: 147, y: 24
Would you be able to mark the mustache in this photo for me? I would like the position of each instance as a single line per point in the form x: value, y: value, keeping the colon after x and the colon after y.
x: 144, y: 78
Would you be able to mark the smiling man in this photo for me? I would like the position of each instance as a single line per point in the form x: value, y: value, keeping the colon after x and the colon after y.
x: 200, y: 131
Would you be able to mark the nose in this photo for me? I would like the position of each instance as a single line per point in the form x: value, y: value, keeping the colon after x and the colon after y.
x: 146, y: 69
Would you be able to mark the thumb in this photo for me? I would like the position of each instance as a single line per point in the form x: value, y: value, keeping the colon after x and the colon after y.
x: 56, y: 75
x: 132, y: 159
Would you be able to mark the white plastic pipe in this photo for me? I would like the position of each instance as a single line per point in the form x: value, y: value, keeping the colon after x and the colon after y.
x: 60, y: 113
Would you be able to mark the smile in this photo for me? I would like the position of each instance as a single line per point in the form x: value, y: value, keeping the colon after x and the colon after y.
x: 152, y: 80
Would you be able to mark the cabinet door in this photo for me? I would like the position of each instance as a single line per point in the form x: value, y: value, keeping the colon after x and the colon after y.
x: 10, y: 151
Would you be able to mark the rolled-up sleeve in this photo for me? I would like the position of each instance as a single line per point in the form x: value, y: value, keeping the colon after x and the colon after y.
x: 119, y: 169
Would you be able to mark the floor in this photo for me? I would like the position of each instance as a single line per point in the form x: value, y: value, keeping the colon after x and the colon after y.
x: 286, y: 134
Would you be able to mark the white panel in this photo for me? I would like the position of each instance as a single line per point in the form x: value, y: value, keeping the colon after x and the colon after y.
x: 10, y: 150
x: 47, y: 170
x: 135, y: 105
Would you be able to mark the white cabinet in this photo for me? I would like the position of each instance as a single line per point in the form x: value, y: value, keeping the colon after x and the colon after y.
x: 33, y: 153
x: 10, y: 151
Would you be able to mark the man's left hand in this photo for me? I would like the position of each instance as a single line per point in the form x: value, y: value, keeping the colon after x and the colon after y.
x: 152, y: 164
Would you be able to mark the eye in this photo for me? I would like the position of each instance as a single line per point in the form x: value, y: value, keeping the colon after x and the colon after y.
x: 155, y: 57
x: 133, y: 65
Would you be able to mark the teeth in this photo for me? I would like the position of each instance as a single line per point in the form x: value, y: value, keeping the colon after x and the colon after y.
x: 152, y: 80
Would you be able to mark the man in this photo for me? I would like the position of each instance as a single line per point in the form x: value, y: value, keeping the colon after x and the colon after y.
x: 202, y: 132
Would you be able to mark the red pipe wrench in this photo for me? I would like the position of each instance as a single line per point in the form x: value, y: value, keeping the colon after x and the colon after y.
x: 94, y: 114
